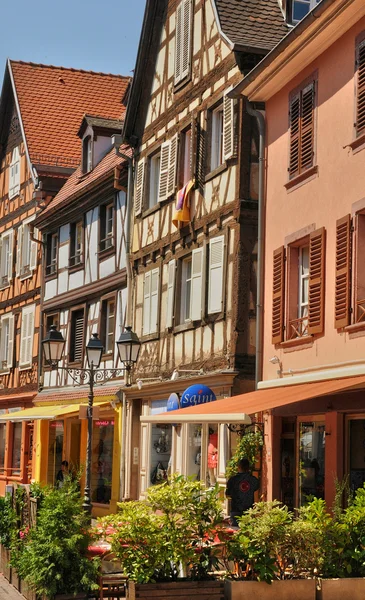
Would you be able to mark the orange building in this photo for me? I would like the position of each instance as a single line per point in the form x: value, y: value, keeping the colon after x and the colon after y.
x: 41, y: 108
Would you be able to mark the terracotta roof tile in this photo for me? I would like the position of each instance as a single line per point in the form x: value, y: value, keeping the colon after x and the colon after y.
x: 252, y: 23
x: 78, y: 184
x: 53, y: 101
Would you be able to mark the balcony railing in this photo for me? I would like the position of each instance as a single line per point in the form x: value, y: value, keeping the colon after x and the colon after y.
x: 298, y: 328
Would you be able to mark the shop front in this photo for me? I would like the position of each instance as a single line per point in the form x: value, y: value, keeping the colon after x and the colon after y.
x: 60, y: 434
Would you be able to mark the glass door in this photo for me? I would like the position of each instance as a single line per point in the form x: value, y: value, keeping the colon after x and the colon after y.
x: 311, y: 459
x: 356, y: 452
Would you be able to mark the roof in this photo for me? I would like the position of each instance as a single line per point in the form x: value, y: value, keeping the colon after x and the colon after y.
x: 79, y: 184
x: 52, y: 102
x: 100, y: 122
x: 254, y: 24
x: 260, y: 400
x: 70, y: 394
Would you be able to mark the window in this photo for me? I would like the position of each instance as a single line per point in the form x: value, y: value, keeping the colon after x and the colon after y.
x: 360, y: 87
x: 183, y: 39
x: 222, y: 130
x: 302, y: 8
x: 150, y: 301
x: 77, y: 335
x: 185, y: 158
x: 305, y: 295
x: 301, y: 117
x: 185, y: 308
x: 108, y: 325
x: 52, y: 253
x: 154, y: 163
x: 14, y: 174
x: 52, y: 319
x: 216, y: 146
x: 27, y: 250
x: 16, y: 449
x: 6, y: 258
x: 6, y: 342
x: 2, y: 446
x: 26, y: 336
x: 102, y: 458
x: 87, y: 154
x: 76, y: 243
x: 106, y: 226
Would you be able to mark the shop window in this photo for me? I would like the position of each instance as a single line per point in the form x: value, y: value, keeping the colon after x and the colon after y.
x: 106, y: 241
x: 357, y: 453
x: 51, y: 253
x: 212, y: 455
x: 2, y: 446
x: 16, y: 449
x: 76, y: 243
x: 55, y: 450
x: 161, y: 436
x: 194, y: 451
x: 77, y: 335
x: 311, y: 460
x: 102, y: 461
x: 108, y: 325
x: 27, y: 250
x: 300, y: 8
x: 6, y: 258
x: 14, y: 173
x: 154, y: 165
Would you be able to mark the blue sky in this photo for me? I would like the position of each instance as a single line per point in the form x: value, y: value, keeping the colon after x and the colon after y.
x: 97, y: 35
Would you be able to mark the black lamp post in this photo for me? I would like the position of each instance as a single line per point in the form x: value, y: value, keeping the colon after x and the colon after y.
x: 128, y: 349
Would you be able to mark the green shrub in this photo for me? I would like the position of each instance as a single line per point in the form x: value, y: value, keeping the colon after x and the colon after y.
x: 249, y: 446
x: 8, y: 520
x: 154, y: 538
x: 52, y: 557
x: 353, y: 523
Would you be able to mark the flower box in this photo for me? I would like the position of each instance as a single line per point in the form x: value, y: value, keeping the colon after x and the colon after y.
x: 170, y: 590
x: 352, y: 588
x: 5, y: 559
x: 293, y: 589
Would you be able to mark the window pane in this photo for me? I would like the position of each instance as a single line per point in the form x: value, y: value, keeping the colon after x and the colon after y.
x: 154, y: 182
x: 2, y: 445
x: 212, y: 455
x: 311, y: 461
x: 16, y: 450
x: 300, y: 9
x: 194, y: 451
x: 55, y: 450
x: 102, y: 461
x: 110, y: 323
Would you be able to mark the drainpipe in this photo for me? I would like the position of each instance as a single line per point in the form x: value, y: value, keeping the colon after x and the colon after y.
x: 128, y: 216
x: 260, y: 242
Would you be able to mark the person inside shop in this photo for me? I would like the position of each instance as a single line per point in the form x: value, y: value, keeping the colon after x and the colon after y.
x: 212, y: 456
x: 241, y: 489
x: 62, y: 474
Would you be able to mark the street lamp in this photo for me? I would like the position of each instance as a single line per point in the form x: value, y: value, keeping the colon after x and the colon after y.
x: 128, y: 349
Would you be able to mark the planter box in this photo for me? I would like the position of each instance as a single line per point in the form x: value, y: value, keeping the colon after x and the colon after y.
x: 15, y: 581
x: 27, y: 592
x: 342, y: 589
x: 204, y: 590
x: 68, y: 597
x: 294, y: 589
x: 5, y: 559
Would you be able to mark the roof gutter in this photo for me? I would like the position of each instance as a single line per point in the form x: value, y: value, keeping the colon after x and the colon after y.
x: 296, y: 32
x: 33, y: 171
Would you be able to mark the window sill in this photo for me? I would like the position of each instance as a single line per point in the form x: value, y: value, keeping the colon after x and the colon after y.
x: 185, y: 326
x: 302, y: 341
x: 213, y: 318
x: 74, y: 268
x: 106, y: 253
x: 26, y: 275
x: 223, y: 167
x: 4, y: 286
x: 302, y: 178
x: 76, y: 364
x: 4, y: 372
x: 150, y: 337
x: 355, y: 327
x: 50, y: 277
x: 25, y: 367
x: 181, y: 84
x: 357, y: 145
x: 150, y: 211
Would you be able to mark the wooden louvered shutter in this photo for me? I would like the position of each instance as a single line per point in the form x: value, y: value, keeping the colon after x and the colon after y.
x: 164, y: 172
x: 10, y: 348
x: 139, y: 187
x: 78, y: 334
x: 215, y: 285
x: 10, y: 257
x: 360, y: 97
x: 171, y: 271
x: 343, y: 272
x: 294, y: 125
x: 199, y: 166
x: 317, y: 241
x: 178, y: 42
x: 147, y: 303
x: 186, y: 39
x: 228, y: 126
x: 307, y: 128
x: 197, y: 282
x: 172, y: 165
x: 278, y: 299
x: 33, y: 251
x: 155, y: 285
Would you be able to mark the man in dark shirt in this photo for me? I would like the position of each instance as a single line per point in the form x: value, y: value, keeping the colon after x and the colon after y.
x: 241, y: 489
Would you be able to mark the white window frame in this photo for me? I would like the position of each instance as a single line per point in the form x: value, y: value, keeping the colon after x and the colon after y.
x: 109, y: 334
x: 27, y: 337
x: 302, y: 277
x: 310, y: 3
x: 6, y: 261
x: 217, y: 135
x: 154, y: 179
x: 6, y: 345
x: 14, y: 173
x: 26, y: 261
x: 186, y: 289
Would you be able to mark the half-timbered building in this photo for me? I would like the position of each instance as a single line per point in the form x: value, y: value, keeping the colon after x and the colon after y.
x: 195, y: 225
x: 41, y: 108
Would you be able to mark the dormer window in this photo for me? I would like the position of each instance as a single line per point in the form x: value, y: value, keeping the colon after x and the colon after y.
x: 87, y: 154
x: 301, y: 8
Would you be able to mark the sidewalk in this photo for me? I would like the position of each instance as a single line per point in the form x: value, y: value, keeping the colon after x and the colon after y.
x: 7, y: 592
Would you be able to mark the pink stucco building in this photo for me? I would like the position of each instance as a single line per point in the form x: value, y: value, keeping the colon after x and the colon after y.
x: 313, y: 87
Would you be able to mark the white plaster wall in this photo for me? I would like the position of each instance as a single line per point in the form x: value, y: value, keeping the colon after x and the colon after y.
x: 101, y: 146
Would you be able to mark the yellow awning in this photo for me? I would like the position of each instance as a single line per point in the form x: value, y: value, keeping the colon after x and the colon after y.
x: 45, y: 413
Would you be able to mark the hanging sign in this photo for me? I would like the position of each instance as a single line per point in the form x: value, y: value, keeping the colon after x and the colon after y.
x: 196, y: 394
x: 173, y: 402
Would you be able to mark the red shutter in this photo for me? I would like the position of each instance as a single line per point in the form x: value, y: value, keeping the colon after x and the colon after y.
x: 317, y: 242
x: 343, y: 272
x: 360, y: 99
x: 278, y: 297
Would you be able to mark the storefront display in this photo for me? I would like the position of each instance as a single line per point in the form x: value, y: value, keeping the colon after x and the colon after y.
x: 102, y: 461
x: 212, y: 462
x: 357, y: 453
x: 311, y: 460
x: 2, y: 446
x: 194, y: 450
x: 16, y: 449
x: 55, y: 450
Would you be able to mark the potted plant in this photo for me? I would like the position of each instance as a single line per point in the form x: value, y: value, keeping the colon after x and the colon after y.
x: 165, y: 543
x: 51, y: 557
